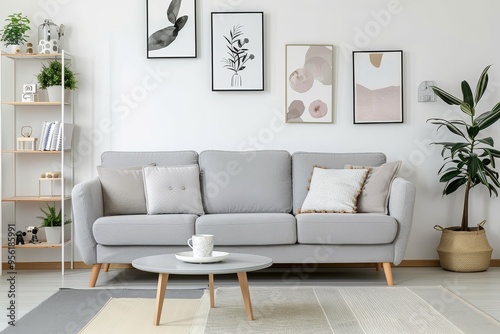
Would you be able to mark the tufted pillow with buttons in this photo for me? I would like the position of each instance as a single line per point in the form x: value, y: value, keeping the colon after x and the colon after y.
x: 173, y: 189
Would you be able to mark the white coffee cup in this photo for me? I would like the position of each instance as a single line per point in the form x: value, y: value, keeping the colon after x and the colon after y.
x: 202, y: 245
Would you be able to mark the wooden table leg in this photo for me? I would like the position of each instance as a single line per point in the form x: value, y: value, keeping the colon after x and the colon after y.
x: 211, y: 287
x: 242, y: 278
x: 160, y: 296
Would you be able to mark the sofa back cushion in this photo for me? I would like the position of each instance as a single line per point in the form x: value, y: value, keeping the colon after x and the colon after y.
x: 246, y: 182
x: 303, y: 164
x: 127, y: 159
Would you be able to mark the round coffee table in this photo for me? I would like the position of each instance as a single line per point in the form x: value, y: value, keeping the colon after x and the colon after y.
x: 168, y: 264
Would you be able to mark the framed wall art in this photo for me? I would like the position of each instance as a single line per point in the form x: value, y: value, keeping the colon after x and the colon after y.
x: 171, y: 28
x: 378, y: 86
x: 237, y: 51
x: 309, y: 83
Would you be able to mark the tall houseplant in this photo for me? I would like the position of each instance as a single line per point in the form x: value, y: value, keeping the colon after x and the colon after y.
x: 14, y: 32
x: 469, y: 162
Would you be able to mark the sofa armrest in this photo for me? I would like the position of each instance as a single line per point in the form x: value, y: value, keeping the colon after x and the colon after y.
x: 87, y: 203
x: 401, y: 203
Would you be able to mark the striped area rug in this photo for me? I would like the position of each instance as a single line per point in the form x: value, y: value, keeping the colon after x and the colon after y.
x: 345, y: 310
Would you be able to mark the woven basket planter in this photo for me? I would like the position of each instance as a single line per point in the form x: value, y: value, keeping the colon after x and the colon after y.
x: 464, y: 251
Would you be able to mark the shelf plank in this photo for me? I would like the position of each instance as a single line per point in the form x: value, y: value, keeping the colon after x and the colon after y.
x: 31, y: 152
x: 40, y: 104
x: 43, y: 244
x: 33, y: 55
x: 35, y: 199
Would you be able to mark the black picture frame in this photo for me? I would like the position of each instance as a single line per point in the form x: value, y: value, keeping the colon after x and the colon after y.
x: 237, y: 51
x: 377, y: 87
x: 161, y: 26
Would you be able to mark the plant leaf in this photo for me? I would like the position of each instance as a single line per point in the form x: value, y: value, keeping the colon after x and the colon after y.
x: 482, y: 83
x: 487, y: 141
x: 181, y: 22
x: 450, y: 175
x: 467, y: 93
x: 454, y: 185
x: 446, y: 97
x: 472, y: 131
x: 173, y: 10
x: 490, y: 118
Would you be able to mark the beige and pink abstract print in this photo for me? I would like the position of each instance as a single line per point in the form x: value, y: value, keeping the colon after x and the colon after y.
x: 378, y: 87
x: 309, y: 89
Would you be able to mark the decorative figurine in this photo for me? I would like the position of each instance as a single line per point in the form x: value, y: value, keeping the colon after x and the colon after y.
x: 26, y: 132
x: 19, y: 237
x: 34, y: 237
x: 29, y: 48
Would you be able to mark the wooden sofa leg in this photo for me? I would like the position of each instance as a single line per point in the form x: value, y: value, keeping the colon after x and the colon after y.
x: 378, y: 266
x: 95, y: 273
x: 388, y: 273
x: 105, y: 267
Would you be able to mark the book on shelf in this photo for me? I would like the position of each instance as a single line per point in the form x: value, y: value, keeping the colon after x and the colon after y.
x: 51, y: 138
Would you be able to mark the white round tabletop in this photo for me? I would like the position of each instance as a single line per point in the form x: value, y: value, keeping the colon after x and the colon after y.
x: 234, y: 263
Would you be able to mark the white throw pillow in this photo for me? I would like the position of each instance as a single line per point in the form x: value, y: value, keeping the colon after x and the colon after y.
x: 174, y: 189
x: 334, y: 190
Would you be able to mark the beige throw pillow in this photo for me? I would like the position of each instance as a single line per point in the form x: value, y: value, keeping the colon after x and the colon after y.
x: 374, y: 196
x: 334, y: 190
x: 122, y: 190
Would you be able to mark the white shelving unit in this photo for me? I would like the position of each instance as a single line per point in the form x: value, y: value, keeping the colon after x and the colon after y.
x: 21, y: 169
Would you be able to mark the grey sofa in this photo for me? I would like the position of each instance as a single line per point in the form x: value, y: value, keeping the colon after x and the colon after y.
x: 251, y: 202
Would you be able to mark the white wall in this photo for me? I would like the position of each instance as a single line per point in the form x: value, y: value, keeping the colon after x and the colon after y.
x: 446, y: 41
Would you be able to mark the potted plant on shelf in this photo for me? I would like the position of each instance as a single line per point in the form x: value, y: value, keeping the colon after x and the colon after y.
x: 52, y: 224
x: 14, y: 33
x: 469, y: 162
x: 50, y: 78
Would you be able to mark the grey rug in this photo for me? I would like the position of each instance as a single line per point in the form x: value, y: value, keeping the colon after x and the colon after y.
x: 69, y: 310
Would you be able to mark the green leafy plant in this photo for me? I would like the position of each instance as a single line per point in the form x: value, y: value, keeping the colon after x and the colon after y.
x: 52, y: 219
x: 14, y: 33
x: 470, y: 161
x: 51, y: 75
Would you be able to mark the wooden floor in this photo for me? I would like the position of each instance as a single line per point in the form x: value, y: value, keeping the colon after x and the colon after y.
x: 33, y: 286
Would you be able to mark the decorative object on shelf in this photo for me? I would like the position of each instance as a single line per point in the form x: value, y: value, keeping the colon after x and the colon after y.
x: 26, y: 132
x: 19, y: 237
x: 50, y: 37
x: 29, y: 48
x: 425, y: 92
x: 309, y: 83
x: 52, y: 224
x: 50, y: 78
x: 171, y: 36
x: 34, y: 236
x: 29, y: 93
x: 14, y: 33
x: 468, y: 162
x: 378, y: 86
x: 48, y: 176
x: 238, y: 51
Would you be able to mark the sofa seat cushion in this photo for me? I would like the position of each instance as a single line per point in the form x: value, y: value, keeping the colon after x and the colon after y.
x: 237, y: 229
x: 346, y: 229
x: 147, y: 230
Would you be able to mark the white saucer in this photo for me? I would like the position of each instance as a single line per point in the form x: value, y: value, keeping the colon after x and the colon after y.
x: 188, y: 257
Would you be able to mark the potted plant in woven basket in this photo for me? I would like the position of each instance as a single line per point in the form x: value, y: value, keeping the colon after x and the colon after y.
x: 469, y: 162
